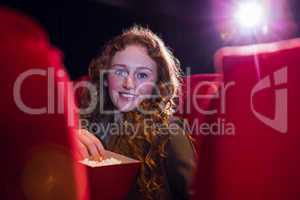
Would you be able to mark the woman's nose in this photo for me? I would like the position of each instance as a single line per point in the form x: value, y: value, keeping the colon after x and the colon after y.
x: 128, y: 83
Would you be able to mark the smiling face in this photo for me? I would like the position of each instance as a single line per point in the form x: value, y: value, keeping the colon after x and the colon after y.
x: 132, y: 77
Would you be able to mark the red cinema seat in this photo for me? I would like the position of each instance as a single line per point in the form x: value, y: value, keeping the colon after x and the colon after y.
x: 261, y: 160
x: 37, y: 119
x: 197, y: 103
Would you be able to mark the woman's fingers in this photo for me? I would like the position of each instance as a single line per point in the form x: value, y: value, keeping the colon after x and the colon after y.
x: 92, y: 144
x: 91, y: 147
x: 98, y: 143
x: 100, y: 151
x: 83, y: 150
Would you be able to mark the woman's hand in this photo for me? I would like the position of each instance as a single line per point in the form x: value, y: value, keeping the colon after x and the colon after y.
x: 89, y: 145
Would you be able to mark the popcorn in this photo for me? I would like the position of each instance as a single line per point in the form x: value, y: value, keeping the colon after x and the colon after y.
x: 105, y: 162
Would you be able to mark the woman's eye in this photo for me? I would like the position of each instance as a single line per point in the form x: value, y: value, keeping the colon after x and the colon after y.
x: 121, y: 72
x: 142, y: 75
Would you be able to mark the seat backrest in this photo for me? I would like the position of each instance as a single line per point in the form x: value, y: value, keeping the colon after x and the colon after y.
x: 37, y: 116
x: 197, y: 103
x: 261, y: 160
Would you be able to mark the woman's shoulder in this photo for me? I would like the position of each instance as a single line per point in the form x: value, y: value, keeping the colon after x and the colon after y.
x: 176, y: 119
x: 177, y: 126
x: 180, y: 160
x: 180, y: 139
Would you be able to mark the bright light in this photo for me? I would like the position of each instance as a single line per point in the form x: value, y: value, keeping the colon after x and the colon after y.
x: 250, y: 14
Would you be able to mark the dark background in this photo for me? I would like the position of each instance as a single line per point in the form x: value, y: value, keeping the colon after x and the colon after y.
x: 80, y: 28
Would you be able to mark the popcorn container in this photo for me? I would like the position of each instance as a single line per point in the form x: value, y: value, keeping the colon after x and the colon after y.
x: 111, y: 178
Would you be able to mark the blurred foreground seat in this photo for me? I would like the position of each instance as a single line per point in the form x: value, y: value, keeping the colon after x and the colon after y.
x: 37, y: 119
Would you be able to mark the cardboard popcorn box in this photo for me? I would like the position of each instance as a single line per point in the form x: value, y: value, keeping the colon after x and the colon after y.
x: 114, y: 178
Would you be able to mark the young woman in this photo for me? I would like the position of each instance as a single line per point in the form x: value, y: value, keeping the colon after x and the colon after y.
x: 137, y: 80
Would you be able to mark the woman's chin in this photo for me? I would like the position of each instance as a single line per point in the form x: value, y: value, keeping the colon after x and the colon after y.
x: 126, y: 108
x: 127, y: 105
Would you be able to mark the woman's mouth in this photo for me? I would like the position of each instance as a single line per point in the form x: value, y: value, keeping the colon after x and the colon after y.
x: 127, y: 95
